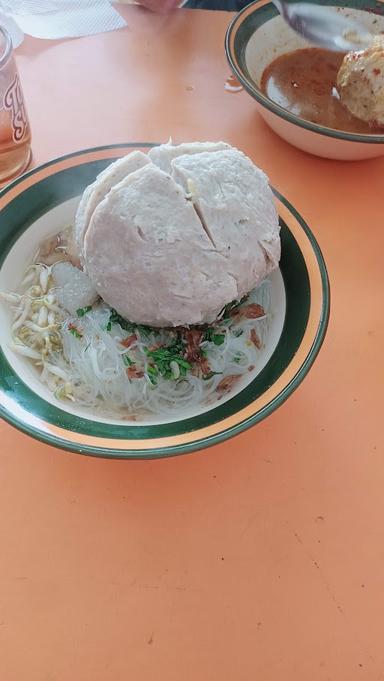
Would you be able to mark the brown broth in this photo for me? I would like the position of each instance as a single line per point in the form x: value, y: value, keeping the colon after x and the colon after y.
x: 304, y: 83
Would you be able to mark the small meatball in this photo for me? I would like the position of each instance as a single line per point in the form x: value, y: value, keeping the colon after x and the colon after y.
x: 74, y: 288
x: 360, y: 83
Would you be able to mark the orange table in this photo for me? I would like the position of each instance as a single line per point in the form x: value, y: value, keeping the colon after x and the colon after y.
x: 261, y: 559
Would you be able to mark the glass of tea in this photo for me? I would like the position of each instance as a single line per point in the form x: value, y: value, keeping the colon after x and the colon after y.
x: 15, y: 133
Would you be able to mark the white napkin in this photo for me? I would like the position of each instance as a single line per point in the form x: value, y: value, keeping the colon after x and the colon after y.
x: 55, y: 19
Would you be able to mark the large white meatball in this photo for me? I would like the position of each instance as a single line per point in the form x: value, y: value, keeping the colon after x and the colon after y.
x: 104, y: 182
x: 360, y: 83
x: 173, y: 248
x: 164, y: 154
x: 236, y: 206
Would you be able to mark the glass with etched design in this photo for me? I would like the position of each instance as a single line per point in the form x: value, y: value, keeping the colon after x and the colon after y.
x: 15, y: 132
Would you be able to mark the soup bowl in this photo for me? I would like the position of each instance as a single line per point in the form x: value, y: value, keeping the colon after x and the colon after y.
x: 42, y: 202
x: 256, y: 36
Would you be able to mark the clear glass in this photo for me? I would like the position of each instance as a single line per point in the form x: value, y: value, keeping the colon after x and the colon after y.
x: 15, y: 132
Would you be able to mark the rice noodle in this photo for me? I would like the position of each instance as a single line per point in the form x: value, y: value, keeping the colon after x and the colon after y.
x: 84, y: 359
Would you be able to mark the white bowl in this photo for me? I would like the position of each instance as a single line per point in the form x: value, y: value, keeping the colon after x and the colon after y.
x: 42, y: 202
x: 255, y: 37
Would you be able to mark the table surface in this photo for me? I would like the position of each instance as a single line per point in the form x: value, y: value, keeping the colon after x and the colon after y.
x: 261, y: 558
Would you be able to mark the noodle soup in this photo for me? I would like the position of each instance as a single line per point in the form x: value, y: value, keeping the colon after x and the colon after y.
x: 103, y: 364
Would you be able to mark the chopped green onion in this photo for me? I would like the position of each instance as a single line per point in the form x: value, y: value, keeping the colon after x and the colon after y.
x: 238, y: 332
x: 75, y: 332
x: 183, y: 363
x: 115, y: 318
x: 83, y: 310
x: 227, y: 309
x: 218, y: 339
x: 213, y: 337
x: 152, y: 373
x: 164, y: 356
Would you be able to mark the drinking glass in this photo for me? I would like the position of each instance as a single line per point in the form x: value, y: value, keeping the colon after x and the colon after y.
x: 15, y: 132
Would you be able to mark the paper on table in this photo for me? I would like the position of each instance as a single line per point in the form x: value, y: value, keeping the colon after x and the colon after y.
x: 54, y: 19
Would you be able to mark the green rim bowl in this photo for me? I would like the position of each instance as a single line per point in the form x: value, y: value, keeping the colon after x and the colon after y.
x: 256, y: 36
x: 43, y: 201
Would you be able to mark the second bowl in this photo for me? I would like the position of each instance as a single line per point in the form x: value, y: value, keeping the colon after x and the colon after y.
x: 257, y: 36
